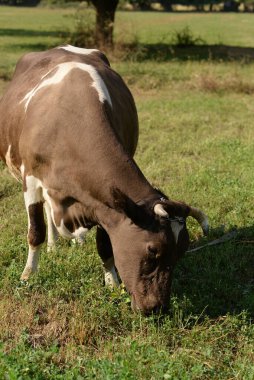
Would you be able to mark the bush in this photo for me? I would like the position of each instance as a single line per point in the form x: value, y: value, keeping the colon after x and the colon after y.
x: 185, y: 37
x: 83, y: 34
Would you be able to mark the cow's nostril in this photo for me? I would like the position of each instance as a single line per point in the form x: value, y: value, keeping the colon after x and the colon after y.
x: 148, y: 309
x: 158, y: 309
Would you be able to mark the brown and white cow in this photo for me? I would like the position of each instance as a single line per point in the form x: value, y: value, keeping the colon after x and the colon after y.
x: 69, y: 130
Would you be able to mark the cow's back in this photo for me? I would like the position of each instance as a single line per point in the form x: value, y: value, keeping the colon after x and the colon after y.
x: 27, y: 89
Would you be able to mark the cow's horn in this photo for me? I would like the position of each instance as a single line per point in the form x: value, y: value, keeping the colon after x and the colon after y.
x: 201, y: 218
x: 159, y: 210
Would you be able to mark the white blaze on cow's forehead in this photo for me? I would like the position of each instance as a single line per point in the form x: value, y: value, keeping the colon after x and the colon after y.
x: 176, y: 229
x: 77, y: 50
x: 60, y: 72
x: 12, y: 168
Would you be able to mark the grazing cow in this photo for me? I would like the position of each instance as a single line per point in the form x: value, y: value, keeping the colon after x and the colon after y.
x: 68, y: 131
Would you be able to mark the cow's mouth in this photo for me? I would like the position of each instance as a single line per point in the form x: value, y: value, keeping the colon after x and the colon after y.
x: 148, y: 310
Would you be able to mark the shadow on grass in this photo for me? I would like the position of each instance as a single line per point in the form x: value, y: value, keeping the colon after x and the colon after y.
x: 142, y: 52
x: 4, y: 32
x: 19, y: 44
x: 27, y: 47
x: 220, y: 279
x: 163, y: 52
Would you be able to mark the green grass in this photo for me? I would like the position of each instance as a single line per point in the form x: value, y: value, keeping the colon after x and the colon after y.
x: 26, y: 29
x: 152, y: 27
x: 196, y: 144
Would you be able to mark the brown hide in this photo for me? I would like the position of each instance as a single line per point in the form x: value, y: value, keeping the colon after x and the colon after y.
x: 80, y: 149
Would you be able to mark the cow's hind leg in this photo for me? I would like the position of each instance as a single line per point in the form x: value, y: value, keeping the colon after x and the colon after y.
x: 36, y: 225
x: 105, y: 251
x: 52, y: 231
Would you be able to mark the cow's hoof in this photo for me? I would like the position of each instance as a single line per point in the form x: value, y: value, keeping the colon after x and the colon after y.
x: 23, y: 283
x: 77, y: 241
x: 111, y: 279
x: 51, y: 248
x: 26, y: 274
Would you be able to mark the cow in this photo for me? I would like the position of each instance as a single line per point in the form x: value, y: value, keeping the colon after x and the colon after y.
x: 68, y: 132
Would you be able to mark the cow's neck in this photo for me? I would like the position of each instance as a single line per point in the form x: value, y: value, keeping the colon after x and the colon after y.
x: 126, y: 176
x: 119, y: 170
x: 111, y: 168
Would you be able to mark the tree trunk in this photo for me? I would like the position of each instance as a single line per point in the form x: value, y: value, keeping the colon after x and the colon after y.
x: 166, y: 5
x: 105, y: 17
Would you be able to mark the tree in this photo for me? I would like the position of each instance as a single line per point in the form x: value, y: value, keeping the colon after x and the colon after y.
x: 105, y: 17
x: 167, y: 5
x: 144, y: 5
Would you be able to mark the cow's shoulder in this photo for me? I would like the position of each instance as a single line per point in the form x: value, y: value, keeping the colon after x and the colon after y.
x: 40, y: 62
x: 90, y: 56
x: 29, y: 60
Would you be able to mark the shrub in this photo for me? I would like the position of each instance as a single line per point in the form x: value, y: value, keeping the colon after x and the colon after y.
x: 185, y: 37
x: 84, y: 26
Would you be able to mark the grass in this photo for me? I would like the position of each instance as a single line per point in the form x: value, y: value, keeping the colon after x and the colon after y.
x: 196, y: 144
x: 236, y: 31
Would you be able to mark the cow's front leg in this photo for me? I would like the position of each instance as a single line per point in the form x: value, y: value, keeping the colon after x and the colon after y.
x: 52, y: 231
x: 105, y: 251
x: 36, y: 226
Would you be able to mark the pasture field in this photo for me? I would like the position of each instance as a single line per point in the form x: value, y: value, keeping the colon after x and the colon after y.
x: 196, y: 144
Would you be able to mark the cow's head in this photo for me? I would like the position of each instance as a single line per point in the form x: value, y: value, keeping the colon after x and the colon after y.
x: 148, y: 242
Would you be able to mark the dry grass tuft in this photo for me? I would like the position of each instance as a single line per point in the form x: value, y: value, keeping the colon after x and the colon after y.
x: 211, y: 83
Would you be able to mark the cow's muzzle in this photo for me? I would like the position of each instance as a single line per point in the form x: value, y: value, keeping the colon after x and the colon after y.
x: 155, y: 308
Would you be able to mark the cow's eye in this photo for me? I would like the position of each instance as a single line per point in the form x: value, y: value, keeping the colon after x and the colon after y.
x: 148, y: 266
x: 150, y: 263
x: 152, y: 252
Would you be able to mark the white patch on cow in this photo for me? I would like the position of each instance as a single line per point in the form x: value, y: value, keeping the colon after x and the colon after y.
x: 33, y: 194
x: 22, y: 170
x: 12, y: 169
x: 80, y: 234
x: 47, y: 198
x: 176, y: 229
x: 52, y: 231
x: 60, y: 72
x: 32, y: 262
x: 77, y: 50
x: 63, y: 231
x: 110, y: 275
x: 111, y: 279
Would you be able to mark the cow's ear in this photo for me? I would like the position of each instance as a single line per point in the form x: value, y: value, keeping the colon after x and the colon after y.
x: 122, y: 203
